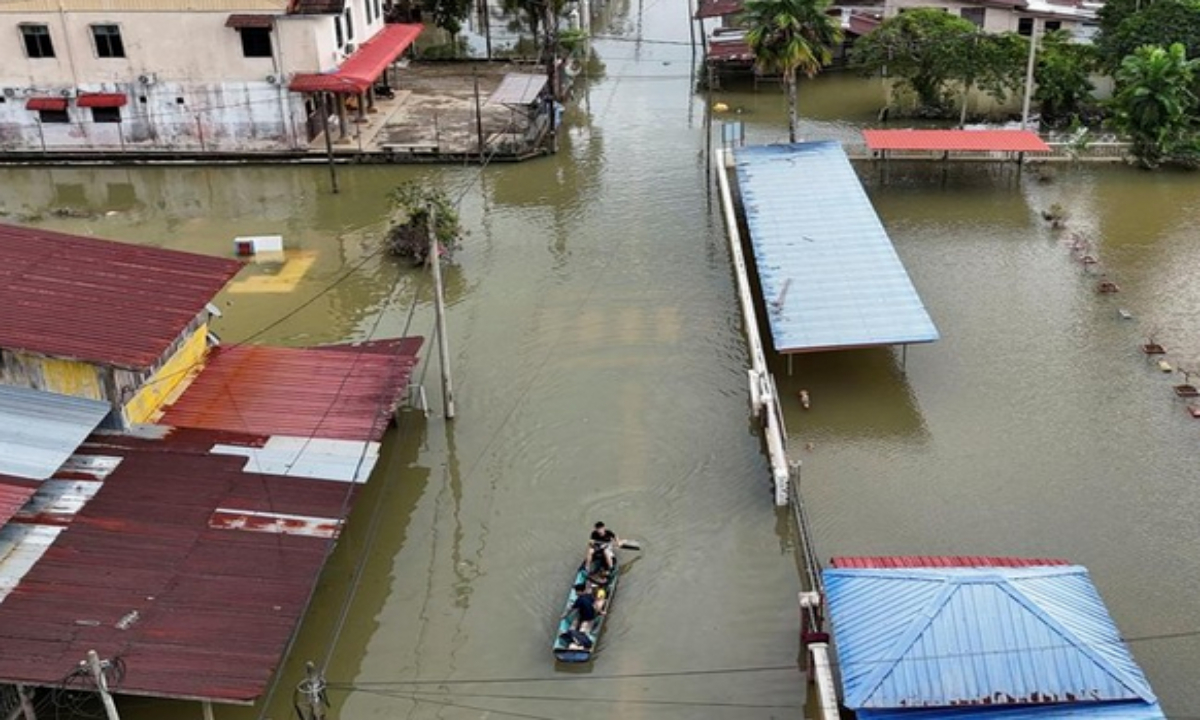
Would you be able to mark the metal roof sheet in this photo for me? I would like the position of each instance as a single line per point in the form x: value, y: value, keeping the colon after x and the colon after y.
x: 365, y: 66
x: 729, y: 50
x: 927, y: 561
x: 40, y: 430
x: 1133, y: 710
x: 717, y: 8
x: 518, y: 89
x: 830, y: 276
x: 329, y: 393
x: 152, y: 570
x: 97, y: 300
x: 956, y: 140
x: 340, y: 460
x: 911, y: 638
x: 12, y: 499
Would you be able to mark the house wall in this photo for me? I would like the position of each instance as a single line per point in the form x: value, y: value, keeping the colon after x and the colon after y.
x: 188, y: 83
x: 995, y: 19
x: 162, y: 384
x: 66, y: 377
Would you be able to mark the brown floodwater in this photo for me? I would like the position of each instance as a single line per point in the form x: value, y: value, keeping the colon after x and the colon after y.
x: 599, y: 370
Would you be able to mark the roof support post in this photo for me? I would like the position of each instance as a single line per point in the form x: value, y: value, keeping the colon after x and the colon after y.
x: 110, y: 707
x: 206, y: 708
x: 439, y: 305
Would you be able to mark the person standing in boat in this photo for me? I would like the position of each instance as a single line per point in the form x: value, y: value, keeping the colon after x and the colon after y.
x: 603, y: 541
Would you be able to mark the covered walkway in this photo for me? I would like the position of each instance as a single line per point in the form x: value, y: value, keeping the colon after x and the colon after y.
x: 829, y: 276
x: 992, y: 144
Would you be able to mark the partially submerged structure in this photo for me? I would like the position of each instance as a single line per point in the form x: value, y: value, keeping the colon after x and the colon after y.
x: 182, y: 545
x: 944, y: 638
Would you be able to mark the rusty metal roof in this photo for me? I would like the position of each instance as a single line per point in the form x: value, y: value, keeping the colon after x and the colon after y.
x: 97, y: 300
x: 967, y: 636
x: 165, y: 569
x: 40, y: 430
x: 956, y: 140
x: 12, y: 498
x: 518, y: 89
x: 717, y: 8
x: 936, y: 561
x: 310, y: 392
x: 729, y: 51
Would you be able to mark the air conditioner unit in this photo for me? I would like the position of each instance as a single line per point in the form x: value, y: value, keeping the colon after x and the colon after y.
x: 272, y: 79
x: 148, y: 78
x: 350, y: 48
x: 67, y: 93
x: 10, y: 92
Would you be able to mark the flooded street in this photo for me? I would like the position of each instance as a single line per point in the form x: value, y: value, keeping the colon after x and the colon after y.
x: 599, y: 372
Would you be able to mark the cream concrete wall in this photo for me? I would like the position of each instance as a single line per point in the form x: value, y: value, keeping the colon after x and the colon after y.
x: 188, y: 83
x: 995, y: 20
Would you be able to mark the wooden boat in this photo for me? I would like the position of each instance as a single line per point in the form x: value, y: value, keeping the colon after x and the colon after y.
x: 571, y: 645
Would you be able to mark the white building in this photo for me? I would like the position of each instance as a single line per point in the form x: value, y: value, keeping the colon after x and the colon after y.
x: 1019, y: 16
x: 112, y: 76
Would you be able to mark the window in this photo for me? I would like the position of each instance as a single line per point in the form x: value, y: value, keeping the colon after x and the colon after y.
x: 1025, y: 26
x: 37, y: 41
x: 349, y: 25
x: 367, y: 11
x: 53, y: 116
x: 1052, y: 25
x: 108, y: 41
x: 378, y: 9
x: 106, y: 114
x: 256, y: 42
x: 337, y: 32
x: 974, y: 15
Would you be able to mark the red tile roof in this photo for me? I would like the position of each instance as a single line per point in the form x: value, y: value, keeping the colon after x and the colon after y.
x: 310, y: 392
x: 97, y: 300
x: 12, y: 497
x: 940, y: 561
x: 193, y: 608
x: 956, y: 140
x: 365, y: 66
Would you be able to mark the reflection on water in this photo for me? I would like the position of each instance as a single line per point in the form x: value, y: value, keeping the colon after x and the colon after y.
x: 600, y: 374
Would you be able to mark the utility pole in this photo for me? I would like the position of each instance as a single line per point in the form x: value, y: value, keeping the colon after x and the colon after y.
x: 478, y: 114
x: 440, y: 309
x: 97, y: 670
x: 328, y: 141
x: 312, y: 688
x: 1029, y: 76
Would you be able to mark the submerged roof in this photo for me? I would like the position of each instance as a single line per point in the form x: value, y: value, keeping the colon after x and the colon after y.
x: 152, y: 571
x: 829, y: 274
x: 100, y: 301
x: 999, y: 636
x: 304, y: 392
x: 40, y: 430
x: 956, y: 140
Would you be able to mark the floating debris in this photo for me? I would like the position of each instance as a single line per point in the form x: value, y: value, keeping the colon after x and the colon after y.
x: 1165, y: 366
x: 1124, y: 314
x: 1107, y: 287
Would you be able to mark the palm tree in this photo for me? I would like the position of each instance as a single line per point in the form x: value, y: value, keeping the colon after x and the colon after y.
x: 791, y: 35
x: 1154, y: 103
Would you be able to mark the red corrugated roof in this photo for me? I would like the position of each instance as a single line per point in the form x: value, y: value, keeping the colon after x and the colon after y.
x: 46, y: 103
x: 97, y: 300
x: 365, y: 66
x: 729, y: 51
x: 311, y: 392
x: 956, y: 140
x: 717, y: 8
x: 12, y: 497
x: 193, y: 611
x: 940, y: 561
x: 102, y: 100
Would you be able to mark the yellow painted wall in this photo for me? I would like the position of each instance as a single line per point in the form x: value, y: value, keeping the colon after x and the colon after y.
x: 182, y: 365
x: 70, y: 377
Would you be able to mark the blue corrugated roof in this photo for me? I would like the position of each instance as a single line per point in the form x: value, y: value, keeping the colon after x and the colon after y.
x: 830, y: 275
x: 40, y: 430
x: 1134, y: 710
x: 952, y: 636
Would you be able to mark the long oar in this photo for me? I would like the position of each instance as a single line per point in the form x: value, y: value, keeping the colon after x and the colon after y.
x: 630, y: 545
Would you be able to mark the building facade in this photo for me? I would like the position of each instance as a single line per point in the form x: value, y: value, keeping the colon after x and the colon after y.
x: 171, y: 75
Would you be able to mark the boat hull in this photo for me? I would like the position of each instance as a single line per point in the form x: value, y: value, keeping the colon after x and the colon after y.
x: 579, y: 650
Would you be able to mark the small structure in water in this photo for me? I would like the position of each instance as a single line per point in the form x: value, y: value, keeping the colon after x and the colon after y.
x: 979, y: 637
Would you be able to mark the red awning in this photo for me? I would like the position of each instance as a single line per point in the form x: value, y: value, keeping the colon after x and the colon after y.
x: 956, y: 140
x: 363, y: 67
x: 102, y: 100
x: 46, y: 103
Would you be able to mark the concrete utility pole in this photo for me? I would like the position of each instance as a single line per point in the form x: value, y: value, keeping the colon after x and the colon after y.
x: 312, y: 687
x: 110, y: 707
x: 440, y: 308
x: 328, y: 141
x: 1033, y: 37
